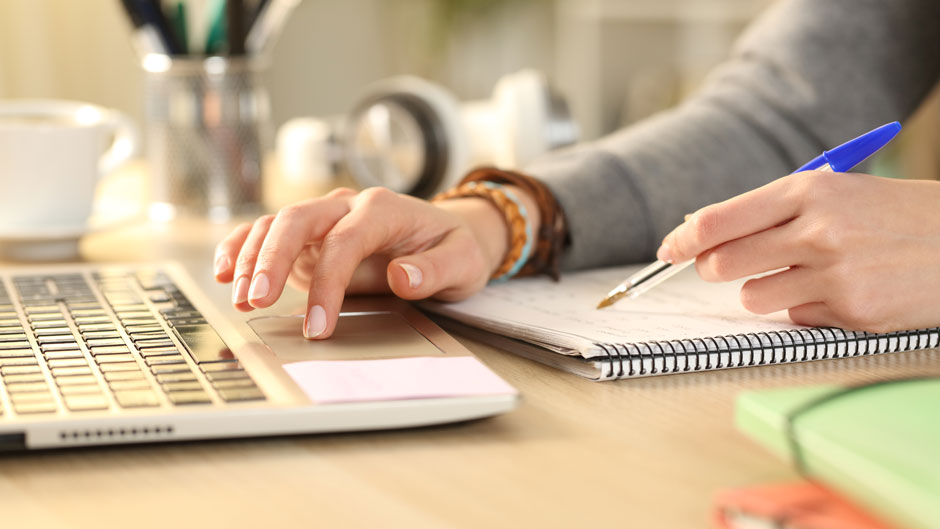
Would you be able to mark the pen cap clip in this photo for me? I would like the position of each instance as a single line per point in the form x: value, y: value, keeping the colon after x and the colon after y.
x: 853, y: 152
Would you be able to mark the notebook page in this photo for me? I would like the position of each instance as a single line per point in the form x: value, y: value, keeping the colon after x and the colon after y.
x: 563, y: 315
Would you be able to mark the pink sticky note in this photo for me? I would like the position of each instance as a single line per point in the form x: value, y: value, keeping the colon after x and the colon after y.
x: 328, y: 381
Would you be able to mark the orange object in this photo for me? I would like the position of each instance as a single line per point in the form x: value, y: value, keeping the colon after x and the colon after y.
x: 800, y: 505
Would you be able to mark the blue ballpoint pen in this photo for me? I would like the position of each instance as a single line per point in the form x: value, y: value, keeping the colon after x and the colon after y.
x: 839, y: 160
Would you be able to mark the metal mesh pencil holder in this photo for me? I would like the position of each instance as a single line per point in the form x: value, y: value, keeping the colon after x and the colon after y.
x: 207, y: 120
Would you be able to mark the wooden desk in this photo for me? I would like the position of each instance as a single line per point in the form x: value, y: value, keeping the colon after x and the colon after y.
x: 645, y: 453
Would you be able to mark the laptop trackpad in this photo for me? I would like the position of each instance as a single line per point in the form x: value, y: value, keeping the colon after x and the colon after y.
x: 358, y: 336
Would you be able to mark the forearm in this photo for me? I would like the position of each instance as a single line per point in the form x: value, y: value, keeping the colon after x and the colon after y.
x: 810, y: 74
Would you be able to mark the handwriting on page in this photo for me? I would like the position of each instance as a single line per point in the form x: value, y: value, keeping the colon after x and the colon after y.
x: 561, y: 313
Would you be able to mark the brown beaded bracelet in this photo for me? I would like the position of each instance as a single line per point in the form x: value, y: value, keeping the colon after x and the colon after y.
x: 520, y: 233
x: 552, y: 236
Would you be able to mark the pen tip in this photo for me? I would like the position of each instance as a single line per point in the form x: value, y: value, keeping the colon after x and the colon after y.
x: 614, y: 296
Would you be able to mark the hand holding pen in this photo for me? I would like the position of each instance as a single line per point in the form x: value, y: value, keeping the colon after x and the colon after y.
x: 837, y: 249
x: 842, y: 158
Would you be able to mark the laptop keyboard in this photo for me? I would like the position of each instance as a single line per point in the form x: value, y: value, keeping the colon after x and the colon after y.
x: 110, y: 340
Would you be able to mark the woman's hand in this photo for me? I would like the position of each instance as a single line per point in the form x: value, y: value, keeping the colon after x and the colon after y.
x: 850, y: 250
x: 368, y: 242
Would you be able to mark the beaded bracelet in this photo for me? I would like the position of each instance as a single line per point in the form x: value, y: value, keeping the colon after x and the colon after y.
x: 521, y: 233
x: 552, y: 236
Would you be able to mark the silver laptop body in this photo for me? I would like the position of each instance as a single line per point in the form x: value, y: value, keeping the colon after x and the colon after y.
x: 95, y: 354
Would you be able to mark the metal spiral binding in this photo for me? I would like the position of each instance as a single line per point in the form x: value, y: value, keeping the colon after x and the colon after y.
x: 609, y: 365
x: 621, y: 356
x: 765, y: 348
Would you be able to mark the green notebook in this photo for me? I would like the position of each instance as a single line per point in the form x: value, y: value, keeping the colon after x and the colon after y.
x: 879, y: 444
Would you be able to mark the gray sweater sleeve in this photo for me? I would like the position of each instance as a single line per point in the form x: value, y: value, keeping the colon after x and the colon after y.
x: 806, y: 76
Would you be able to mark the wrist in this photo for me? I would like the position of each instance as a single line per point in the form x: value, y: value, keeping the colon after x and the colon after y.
x: 486, y: 223
x: 489, y: 225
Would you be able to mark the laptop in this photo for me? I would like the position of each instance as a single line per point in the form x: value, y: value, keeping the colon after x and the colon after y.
x: 102, y: 354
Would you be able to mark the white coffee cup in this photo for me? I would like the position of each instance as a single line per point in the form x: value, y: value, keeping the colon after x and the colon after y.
x: 52, y: 154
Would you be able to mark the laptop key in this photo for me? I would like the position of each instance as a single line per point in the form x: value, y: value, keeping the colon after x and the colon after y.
x: 139, y: 321
x: 233, y: 383
x: 78, y: 305
x: 27, y: 387
x: 113, y: 359
x: 226, y: 375
x: 29, y: 408
x: 129, y: 314
x: 165, y: 360
x: 4, y: 338
x: 77, y: 313
x: 204, y: 344
x: 58, y: 338
x: 125, y: 308
x: 171, y: 368
x: 14, y: 353
x: 18, y: 361
x: 136, y: 398
x: 81, y: 320
x: 39, y: 396
x: 48, y: 324
x: 53, y: 331
x: 79, y: 389
x: 232, y: 365
x: 25, y: 377
x: 77, y: 380
x: 86, y: 402
x: 120, y: 385
x: 159, y: 351
x: 241, y: 394
x: 75, y: 353
x: 67, y: 362
x: 45, y: 316
x: 99, y: 342
x: 39, y: 309
x: 19, y: 370
x: 100, y: 334
x: 188, y: 397
x: 143, y: 328
x: 70, y: 371
x: 6, y: 346
x: 123, y: 366
x: 147, y: 344
x: 185, y: 385
x: 59, y: 346
x: 186, y: 322
x: 148, y: 335
x: 114, y: 376
x: 110, y: 350
x: 175, y: 377
x: 96, y: 327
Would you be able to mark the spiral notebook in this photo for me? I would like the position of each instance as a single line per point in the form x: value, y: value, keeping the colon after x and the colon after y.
x: 683, y: 325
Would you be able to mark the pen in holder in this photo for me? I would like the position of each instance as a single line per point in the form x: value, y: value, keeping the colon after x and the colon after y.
x: 207, y: 119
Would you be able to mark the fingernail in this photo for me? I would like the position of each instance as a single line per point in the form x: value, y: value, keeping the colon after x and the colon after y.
x: 222, y: 264
x: 316, y: 322
x: 259, y: 286
x: 415, y: 277
x: 687, y: 217
x: 240, y: 292
x: 664, y: 253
